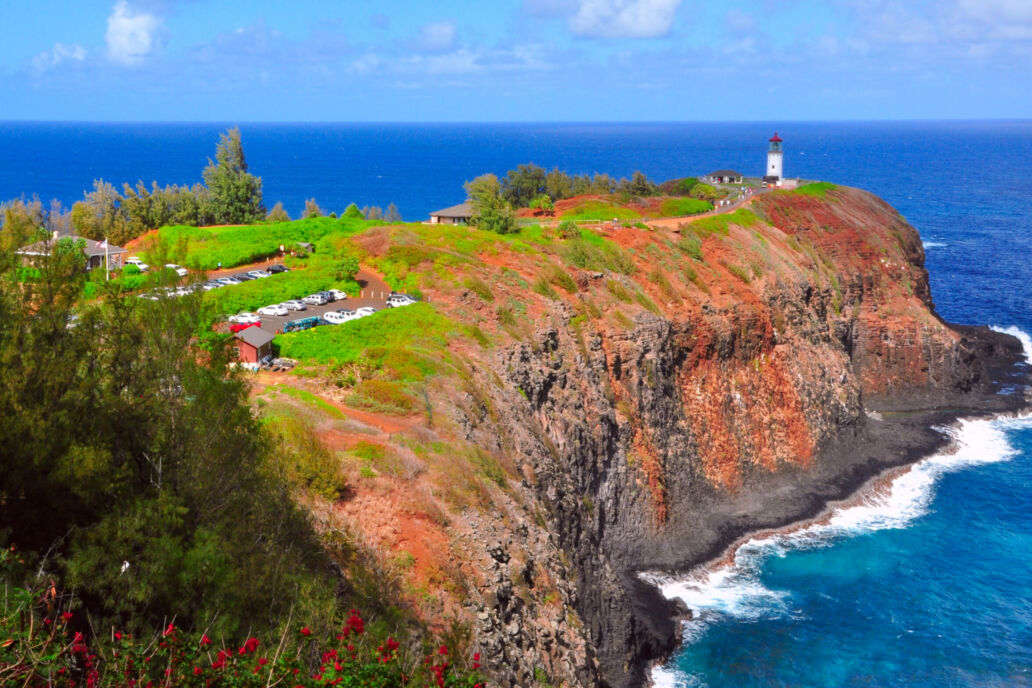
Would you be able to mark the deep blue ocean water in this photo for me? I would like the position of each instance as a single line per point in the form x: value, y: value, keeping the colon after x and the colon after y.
x: 928, y: 583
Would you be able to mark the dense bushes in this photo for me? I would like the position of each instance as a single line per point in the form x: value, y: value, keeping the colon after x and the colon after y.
x: 208, y: 247
x: 133, y: 469
x: 677, y: 207
x: 41, y: 645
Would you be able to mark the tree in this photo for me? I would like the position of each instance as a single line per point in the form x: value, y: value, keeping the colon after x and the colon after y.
x: 278, y: 214
x: 347, y: 269
x: 312, y: 209
x: 558, y: 184
x: 490, y: 211
x: 639, y: 185
x: 392, y: 214
x: 523, y: 184
x: 352, y: 212
x: 372, y: 213
x: 542, y: 202
x: 21, y: 218
x: 236, y: 195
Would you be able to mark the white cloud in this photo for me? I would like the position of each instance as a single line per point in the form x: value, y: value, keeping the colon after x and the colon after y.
x: 61, y: 52
x: 131, y: 35
x: 624, y: 18
x: 436, y: 37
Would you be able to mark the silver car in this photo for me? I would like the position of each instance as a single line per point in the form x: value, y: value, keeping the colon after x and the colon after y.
x: 294, y: 305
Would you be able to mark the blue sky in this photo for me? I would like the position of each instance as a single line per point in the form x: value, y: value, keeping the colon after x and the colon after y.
x: 514, y: 60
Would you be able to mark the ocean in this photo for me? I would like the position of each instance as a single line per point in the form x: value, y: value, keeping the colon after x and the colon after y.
x: 928, y: 582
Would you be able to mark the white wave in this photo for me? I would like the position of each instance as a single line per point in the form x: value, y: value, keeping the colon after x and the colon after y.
x: 933, y: 244
x: 1026, y: 341
x: 735, y: 591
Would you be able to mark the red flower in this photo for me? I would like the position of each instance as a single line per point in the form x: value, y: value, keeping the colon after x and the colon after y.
x: 262, y: 661
x: 443, y: 650
x: 392, y: 644
x: 66, y: 616
x: 197, y: 671
x: 205, y: 640
x: 118, y: 636
x: 306, y: 631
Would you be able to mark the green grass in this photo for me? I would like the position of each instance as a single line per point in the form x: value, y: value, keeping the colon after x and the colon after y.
x: 815, y: 189
x: 601, y: 211
x: 592, y: 252
x: 308, y: 398
x: 676, y: 207
x: 204, y: 248
x: 401, y: 344
x: 720, y: 224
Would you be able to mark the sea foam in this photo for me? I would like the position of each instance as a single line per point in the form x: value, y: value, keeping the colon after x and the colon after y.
x: 733, y: 590
x: 933, y: 244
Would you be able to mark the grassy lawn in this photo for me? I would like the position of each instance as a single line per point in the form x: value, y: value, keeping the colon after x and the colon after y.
x: 204, y: 248
x: 601, y: 211
x: 677, y: 207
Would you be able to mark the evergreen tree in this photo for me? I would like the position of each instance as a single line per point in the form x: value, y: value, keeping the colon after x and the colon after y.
x: 236, y: 195
x: 490, y: 211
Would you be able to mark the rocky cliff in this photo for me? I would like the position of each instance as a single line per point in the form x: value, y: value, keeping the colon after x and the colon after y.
x: 654, y: 393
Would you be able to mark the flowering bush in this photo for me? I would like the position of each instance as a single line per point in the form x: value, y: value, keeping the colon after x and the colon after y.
x: 39, y: 646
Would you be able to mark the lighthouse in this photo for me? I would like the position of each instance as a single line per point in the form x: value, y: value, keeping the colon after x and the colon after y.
x: 774, y: 156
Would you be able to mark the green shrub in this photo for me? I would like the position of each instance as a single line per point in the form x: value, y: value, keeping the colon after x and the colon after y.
x: 383, y: 396
x: 479, y: 287
x: 131, y: 270
x: 543, y: 286
x: 592, y: 252
x: 676, y: 207
x: 691, y: 246
x: 562, y: 279
x: 568, y: 230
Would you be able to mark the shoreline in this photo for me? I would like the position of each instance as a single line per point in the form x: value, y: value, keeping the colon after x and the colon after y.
x: 917, y: 430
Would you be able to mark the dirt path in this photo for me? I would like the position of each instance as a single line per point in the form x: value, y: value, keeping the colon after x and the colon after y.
x: 386, y: 424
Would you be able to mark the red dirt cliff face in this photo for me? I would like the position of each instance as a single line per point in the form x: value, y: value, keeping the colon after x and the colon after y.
x: 723, y: 364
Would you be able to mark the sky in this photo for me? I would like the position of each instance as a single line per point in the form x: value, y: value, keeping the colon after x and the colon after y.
x: 514, y: 60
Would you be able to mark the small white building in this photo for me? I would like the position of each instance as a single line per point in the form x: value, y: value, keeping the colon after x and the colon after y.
x: 96, y: 253
x: 455, y: 215
x: 724, y: 177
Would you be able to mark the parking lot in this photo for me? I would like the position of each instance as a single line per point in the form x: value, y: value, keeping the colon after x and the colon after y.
x: 275, y: 323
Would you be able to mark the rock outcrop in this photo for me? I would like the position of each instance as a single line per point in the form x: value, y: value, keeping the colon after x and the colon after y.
x: 737, y: 392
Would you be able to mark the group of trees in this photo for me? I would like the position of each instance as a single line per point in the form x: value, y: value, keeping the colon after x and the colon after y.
x: 530, y: 186
x: 230, y: 195
x: 134, y: 470
x: 524, y: 185
x: 312, y: 209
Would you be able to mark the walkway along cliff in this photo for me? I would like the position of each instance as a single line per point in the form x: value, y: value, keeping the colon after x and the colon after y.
x: 653, y: 394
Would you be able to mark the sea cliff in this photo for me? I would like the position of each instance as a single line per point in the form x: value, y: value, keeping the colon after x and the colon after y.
x: 640, y: 397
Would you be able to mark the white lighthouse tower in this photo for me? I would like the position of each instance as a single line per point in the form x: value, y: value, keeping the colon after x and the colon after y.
x: 774, y: 157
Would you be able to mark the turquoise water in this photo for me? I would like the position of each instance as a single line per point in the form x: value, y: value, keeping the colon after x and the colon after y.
x: 927, y: 584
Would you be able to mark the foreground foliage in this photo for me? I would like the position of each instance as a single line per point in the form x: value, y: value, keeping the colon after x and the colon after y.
x: 41, y: 645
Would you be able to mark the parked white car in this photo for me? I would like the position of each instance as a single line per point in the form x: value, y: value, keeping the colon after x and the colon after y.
x: 337, y: 294
x: 294, y: 305
x: 180, y: 270
x: 399, y: 300
x: 315, y: 299
x: 259, y: 274
x: 364, y: 311
x: 227, y: 281
x: 135, y: 260
x: 336, y: 318
x: 245, y: 318
x: 275, y: 309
